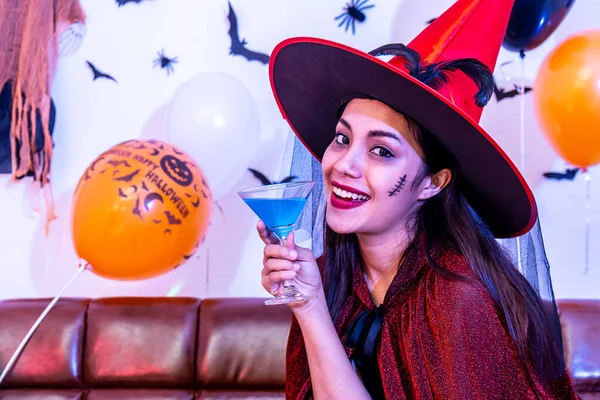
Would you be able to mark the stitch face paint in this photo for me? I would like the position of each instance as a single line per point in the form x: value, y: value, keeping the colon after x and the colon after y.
x: 399, y: 185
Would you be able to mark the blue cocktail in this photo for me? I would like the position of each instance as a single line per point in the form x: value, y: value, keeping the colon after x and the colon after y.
x: 279, y: 215
x: 279, y: 207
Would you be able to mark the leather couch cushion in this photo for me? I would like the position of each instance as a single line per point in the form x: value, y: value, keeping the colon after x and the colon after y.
x: 580, y: 320
x: 141, y: 342
x: 242, y: 344
x: 40, y: 394
x: 139, y: 394
x: 53, y: 355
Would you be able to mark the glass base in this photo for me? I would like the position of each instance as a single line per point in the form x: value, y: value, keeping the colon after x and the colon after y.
x: 289, y: 295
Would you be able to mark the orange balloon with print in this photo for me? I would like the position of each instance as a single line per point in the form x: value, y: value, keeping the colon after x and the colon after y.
x: 141, y: 209
x: 567, y: 99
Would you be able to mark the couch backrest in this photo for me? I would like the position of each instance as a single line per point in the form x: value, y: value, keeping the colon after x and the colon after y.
x: 168, y: 348
x: 580, y: 321
x: 184, y: 348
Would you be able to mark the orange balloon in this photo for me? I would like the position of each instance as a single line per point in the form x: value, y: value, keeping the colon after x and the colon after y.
x: 567, y: 99
x: 141, y: 209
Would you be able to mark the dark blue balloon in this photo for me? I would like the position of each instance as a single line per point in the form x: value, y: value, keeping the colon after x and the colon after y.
x: 532, y: 21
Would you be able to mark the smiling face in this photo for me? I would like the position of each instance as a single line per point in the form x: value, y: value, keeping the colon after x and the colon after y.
x: 369, y: 170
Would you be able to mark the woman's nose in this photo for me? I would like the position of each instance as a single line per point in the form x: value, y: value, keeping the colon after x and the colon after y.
x: 348, y: 165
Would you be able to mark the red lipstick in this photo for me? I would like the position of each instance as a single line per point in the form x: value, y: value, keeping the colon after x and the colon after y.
x: 343, y: 203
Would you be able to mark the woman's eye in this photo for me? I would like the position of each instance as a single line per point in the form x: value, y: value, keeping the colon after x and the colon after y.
x: 382, y: 152
x: 340, y: 138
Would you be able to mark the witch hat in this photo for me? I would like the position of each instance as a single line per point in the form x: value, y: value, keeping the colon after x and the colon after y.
x: 310, y: 78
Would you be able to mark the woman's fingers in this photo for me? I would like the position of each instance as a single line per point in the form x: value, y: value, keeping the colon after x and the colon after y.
x: 276, y: 264
x: 279, y: 276
x: 265, y: 234
x: 301, y: 254
x: 277, y: 251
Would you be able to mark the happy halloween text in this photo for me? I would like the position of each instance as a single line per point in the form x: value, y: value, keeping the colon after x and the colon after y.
x: 156, y: 180
x: 169, y: 192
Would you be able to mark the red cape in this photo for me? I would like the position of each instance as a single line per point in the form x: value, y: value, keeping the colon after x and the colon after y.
x: 440, y: 339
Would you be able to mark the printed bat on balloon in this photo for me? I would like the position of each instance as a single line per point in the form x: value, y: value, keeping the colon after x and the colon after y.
x: 128, y: 177
x: 116, y: 163
x: 238, y: 47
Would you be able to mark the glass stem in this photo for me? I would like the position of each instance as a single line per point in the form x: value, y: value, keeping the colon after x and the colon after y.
x: 287, y: 284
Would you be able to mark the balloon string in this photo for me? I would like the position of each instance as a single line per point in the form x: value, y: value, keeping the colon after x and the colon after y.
x: 522, y: 140
x: 207, y: 266
x: 588, y: 206
x: 522, y: 92
x: 19, y: 349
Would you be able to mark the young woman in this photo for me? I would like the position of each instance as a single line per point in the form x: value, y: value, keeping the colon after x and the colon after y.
x: 415, y: 299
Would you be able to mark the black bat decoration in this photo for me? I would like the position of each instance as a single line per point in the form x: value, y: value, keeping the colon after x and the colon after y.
x: 502, y: 94
x: 121, y: 3
x: 265, y: 181
x: 98, y: 73
x: 238, y: 47
x: 568, y: 175
x: 430, y: 21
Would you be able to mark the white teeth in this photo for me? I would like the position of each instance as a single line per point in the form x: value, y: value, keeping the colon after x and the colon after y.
x: 349, y: 195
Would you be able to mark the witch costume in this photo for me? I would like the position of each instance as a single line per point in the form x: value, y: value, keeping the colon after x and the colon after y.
x: 432, y: 337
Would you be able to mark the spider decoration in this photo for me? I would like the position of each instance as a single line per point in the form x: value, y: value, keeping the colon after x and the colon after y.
x: 165, y: 62
x: 354, y: 12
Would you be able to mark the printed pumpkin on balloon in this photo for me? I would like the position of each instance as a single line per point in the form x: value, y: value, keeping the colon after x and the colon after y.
x: 141, y: 209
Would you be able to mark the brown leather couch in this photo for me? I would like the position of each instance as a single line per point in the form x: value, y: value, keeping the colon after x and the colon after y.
x: 580, y: 320
x: 184, y: 348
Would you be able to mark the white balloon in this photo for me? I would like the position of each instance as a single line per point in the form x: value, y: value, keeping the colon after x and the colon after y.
x: 214, y: 118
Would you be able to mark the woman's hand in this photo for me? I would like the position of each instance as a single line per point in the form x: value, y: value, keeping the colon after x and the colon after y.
x: 292, y: 263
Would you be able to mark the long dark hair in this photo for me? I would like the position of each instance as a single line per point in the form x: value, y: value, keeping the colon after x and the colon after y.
x: 448, y: 219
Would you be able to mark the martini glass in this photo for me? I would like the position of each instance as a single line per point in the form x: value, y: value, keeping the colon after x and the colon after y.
x: 279, y: 207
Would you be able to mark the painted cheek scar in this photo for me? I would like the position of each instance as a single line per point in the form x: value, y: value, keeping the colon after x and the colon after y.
x: 399, y: 185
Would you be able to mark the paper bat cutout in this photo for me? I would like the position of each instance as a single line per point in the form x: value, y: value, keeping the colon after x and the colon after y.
x: 238, y: 47
x: 265, y: 181
x: 98, y: 73
x: 123, y: 2
x: 568, y: 175
x: 502, y: 94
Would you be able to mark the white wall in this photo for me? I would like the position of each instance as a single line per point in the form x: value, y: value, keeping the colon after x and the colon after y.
x: 92, y: 116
